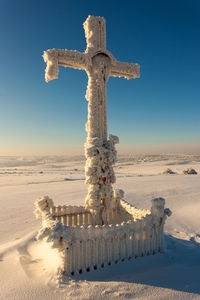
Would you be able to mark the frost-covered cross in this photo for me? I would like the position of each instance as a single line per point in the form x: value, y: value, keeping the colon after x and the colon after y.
x: 99, y: 64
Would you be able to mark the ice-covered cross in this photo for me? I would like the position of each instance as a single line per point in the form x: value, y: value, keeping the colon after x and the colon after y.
x: 99, y: 64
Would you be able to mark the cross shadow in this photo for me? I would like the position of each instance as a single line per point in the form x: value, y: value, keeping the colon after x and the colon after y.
x: 178, y: 268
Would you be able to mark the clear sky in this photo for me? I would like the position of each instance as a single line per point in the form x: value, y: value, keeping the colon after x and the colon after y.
x: 160, y: 112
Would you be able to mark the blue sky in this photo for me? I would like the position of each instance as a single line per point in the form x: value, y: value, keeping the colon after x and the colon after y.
x: 157, y: 113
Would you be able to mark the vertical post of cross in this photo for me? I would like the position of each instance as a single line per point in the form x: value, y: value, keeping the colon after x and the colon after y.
x: 97, y: 147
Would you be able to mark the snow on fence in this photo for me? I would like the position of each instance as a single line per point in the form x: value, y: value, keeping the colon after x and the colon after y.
x: 108, y: 244
x: 84, y: 245
x: 79, y: 216
x: 72, y: 215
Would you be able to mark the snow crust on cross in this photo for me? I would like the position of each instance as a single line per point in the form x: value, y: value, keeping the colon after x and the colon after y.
x: 100, y: 152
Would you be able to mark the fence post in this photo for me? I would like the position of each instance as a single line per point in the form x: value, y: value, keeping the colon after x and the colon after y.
x: 158, y: 214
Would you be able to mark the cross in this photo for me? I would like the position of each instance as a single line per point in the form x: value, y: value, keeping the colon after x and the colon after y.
x: 99, y: 65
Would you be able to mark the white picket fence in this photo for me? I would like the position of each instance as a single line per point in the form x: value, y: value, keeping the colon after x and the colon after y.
x: 79, y: 216
x: 129, y: 240
x: 85, y: 245
x: 72, y: 215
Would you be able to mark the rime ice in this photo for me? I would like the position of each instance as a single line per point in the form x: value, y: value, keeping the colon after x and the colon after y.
x: 100, y: 152
x: 103, y: 205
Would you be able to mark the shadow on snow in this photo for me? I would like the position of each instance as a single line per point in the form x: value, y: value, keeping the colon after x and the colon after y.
x: 178, y: 268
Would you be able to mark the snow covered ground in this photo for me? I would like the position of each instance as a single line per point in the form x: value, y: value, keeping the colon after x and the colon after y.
x: 28, y: 269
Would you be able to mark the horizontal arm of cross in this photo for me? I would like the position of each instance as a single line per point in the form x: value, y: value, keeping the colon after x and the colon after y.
x: 66, y: 58
x: 126, y: 70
